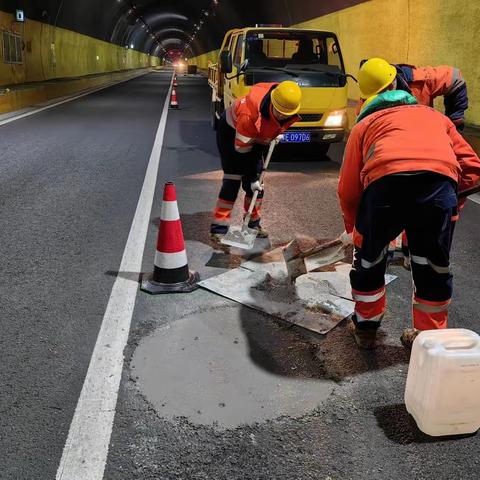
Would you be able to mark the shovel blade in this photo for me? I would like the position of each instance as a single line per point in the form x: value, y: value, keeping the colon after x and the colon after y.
x: 294, y: 262
x: 240, y: 237
x: 295, y: 268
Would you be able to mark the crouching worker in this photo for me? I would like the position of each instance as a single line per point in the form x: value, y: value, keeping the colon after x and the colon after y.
x: 244, y: 131
x: 403, y: 165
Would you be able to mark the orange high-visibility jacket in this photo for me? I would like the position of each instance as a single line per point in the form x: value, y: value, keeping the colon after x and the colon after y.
x: 428, y: 83
x: 402, y: 139
x: 252, y: 118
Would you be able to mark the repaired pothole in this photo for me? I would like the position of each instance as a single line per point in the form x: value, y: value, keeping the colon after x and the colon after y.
x: 228, y: 367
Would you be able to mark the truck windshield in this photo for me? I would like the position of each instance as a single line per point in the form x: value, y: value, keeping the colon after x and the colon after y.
x: 287, y: 48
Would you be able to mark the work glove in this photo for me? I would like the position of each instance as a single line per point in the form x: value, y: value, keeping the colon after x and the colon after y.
x: 256, y: 186
x: 346, y: 238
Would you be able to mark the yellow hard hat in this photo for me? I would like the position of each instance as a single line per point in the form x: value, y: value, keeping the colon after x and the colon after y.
x: 375, y: 75
x: 286, y: 98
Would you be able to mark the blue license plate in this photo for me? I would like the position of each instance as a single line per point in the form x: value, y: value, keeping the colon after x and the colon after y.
x: 297, y: 137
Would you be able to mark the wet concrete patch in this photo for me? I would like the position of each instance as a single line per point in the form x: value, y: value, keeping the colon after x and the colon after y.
x: 206, y: 367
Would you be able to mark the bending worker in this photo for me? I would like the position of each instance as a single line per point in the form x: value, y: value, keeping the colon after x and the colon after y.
x: 403, y: 166
x: 244, y: 131
x: 425, y: 84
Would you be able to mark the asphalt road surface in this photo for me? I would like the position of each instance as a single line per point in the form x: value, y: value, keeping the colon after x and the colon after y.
x: 210, y: 389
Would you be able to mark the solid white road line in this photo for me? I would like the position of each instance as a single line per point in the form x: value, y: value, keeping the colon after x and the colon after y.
x: 475, y: 198
x: 86, y: 449
x: 34, y: 111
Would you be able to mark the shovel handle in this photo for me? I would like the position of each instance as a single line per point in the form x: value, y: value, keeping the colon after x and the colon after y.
x: 272, y: 146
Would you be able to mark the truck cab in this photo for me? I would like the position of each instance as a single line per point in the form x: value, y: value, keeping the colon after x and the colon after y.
x: 311, y: 58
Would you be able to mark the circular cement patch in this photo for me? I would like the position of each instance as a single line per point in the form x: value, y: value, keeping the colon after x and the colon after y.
x: 204, y: 367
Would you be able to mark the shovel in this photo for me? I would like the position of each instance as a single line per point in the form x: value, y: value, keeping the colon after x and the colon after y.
x: 243, y: 236
x: 295, y: 258
x: 330, y: 251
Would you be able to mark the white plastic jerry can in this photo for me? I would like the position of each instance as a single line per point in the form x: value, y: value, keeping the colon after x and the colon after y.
x: 443, y: 382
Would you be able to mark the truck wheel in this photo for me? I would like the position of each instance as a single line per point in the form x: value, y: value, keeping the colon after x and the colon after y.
x: 213, y: 115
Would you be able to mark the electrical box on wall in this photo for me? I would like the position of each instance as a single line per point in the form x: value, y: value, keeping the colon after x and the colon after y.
x: 20, y: 16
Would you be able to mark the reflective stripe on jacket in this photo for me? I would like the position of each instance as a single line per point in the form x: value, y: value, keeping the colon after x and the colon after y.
x: 251, y: 116
x: 402, y: 139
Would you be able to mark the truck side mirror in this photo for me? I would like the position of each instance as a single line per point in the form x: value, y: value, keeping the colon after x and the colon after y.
x: 226, y: 63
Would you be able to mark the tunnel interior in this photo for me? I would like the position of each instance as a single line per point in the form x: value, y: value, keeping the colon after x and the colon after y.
x: 166, y: 28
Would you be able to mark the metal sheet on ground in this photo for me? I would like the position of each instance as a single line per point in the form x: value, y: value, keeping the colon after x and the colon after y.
x: 318, y: 301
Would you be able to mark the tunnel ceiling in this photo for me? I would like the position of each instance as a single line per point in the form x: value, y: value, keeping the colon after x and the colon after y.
x: 162, y: 26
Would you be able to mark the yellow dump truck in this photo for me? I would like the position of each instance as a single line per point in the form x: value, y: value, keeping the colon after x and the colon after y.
x: 311, y: 58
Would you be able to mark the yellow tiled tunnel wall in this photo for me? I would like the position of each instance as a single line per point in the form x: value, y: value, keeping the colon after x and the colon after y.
x: 51, y: 52
x: 418, y: 32
x: 202, y: 61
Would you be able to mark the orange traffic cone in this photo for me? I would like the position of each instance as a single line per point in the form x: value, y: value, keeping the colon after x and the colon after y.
x: 170, y: 270
x: 173, y: 99
x: 175, y: 83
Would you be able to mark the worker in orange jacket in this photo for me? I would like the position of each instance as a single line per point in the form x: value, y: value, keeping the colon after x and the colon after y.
x: 403, y: 165
x: 425, y: 84
x: 244, y: 131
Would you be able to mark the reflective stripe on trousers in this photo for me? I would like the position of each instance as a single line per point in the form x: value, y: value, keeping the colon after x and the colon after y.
x: 429, y: 315
x: 369, y: 306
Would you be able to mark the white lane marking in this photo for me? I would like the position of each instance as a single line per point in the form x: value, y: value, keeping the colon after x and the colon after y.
x: 69, y: 99
x: 475, y: 198
x: 86, y: 449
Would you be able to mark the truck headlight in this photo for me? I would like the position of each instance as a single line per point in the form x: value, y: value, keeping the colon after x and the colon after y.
x: 336, y: 118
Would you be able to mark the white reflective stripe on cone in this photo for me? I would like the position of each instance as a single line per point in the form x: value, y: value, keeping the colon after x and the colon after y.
x: 376, y: 318
x: 169, y: 211
x: 368, y: 298
x: 170, y: 260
